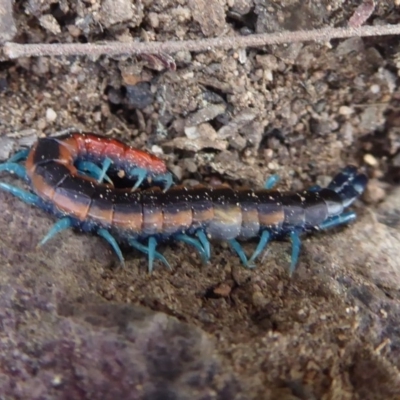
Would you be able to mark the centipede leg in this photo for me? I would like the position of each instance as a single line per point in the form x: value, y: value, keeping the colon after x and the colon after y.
x: 106, y: 164
x: 240, y: 252
x: 25, y: 196
x: 271, y: 181
x: 344, y: 218
x: 265, y: 236
x: 20, y: 156
x: 296, y: 243
x: 152, y: 245
x: 315, y: 188
x: 195, y: 243
x: 146, y: 250
x: 138, y: 173
x: 205, y: 242
x: 113, y: 243
x: 93, y: 171
x: 166, y: 179
x: 14, y: 168
x: 59, y: 226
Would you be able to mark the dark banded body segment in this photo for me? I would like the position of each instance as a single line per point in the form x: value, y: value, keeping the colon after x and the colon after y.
x: 128, y: 212
x: 270, y: 211
x: 227, y: 219
x: 177, y: 211
x: 74, y: 195
x: 101, y: 210
x: 249, y: 207
x: 308, y: 209
x: 201, y: 204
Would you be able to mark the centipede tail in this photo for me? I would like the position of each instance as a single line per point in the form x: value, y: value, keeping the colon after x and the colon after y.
x: 195, y: 216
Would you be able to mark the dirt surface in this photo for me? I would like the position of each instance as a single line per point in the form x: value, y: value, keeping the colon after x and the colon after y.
x: 76, y: 325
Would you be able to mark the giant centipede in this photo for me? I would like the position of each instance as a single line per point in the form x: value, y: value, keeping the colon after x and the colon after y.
x: 65, y: 179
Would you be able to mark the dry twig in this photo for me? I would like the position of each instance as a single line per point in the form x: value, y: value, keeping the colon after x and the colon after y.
x: 15, y: 50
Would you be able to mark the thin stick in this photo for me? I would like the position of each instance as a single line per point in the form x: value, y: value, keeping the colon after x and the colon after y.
x: 15, y: 50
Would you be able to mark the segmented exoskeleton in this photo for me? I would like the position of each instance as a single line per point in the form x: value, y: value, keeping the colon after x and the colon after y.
x: 194, y: 215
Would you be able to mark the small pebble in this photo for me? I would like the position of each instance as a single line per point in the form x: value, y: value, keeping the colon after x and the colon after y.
x: 374, y: 193
x: 205, y: 114
x: 177, y: 171
x: 139, y: 96
x: 49, y: 23
x: 375, y: 89
x: 51, y: 115
x: 189, y: 165
x: 370, y: 160
x: 157, y: 150
x: 223, y: 289
x: 345, y: 110
x: 7, y: 146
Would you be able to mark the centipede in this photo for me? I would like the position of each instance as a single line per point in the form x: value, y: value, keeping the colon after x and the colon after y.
x: 69, y: 177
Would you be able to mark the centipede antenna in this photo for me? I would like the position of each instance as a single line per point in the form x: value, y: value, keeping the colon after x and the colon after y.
x: 341, y: 219
x: 240, y: 252
x: 271, y: 181
x: 195, y: 243
x: 166, y: 178
x: 25, y: 196
x: 94, y: 171
x: 138, y: 173
x: 265, y: 236
x: 296, y: 243
x: 205, y: 242
x: 113, y: 243
x: 59, y: 226
x: 20, y: 156
x: 14, y: 168
x: 138, y: 246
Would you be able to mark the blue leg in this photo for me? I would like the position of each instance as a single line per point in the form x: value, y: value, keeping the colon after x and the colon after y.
x: 113, y: 243
x: 14, y: 168
x: 315, y: 188
x: 151, y: 245
x: 166, y: 179
x: 20, y: 156
x: 271, y: 181
x: 294, y: 236
x: 106, y: 164
x: 138, y: 173
x: 195, y: 243
x: 59, y: 226
x: 341, y: 219
x: 265, y: 236
x: 239, y: 250
x: 146, y: 250
x: 26, y: 197
x: 204, y: 242
x: 93, y: 171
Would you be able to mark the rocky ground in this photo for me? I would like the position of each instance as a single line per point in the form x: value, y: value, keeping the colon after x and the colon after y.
x: 76, y: 325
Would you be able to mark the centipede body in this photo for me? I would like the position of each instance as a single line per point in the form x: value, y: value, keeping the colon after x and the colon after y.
x: 182, y: 213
